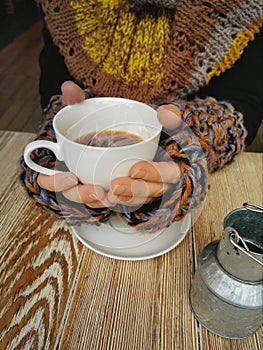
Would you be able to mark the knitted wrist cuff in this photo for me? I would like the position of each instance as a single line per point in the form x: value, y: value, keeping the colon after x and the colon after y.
x: 180, y: 199
x: 74, y: 213
x: 212, y: 132
x: 219, y: 127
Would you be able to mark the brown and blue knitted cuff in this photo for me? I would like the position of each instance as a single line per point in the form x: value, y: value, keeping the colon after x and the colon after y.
x: 210, y: 135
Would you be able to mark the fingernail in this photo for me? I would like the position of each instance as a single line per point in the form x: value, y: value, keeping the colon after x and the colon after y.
x: 167, y: 113
x: 64, y: 83
x: 169, y: 116
x: 119, y: 189
x: 139, y: 174
x: 92, y: 197
x: 173, y: 109
x: 70, y: 181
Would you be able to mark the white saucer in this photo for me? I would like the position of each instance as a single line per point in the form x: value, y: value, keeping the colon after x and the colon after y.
x: 116, y: 240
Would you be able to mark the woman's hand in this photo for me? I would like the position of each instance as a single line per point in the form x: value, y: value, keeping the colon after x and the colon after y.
x: 147, y: 180
x: 67, y: 182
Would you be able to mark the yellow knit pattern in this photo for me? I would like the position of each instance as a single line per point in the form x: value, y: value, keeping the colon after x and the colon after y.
x: 236, y: 50
x: 142, y: 45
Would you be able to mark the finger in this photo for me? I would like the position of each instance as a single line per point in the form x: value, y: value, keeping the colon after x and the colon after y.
x: 92, y: 195
x: 169, y: 116
x: 57, y: 183
x: 129, y: 187
x: 71, y: 93
x: 166, y: 172
x: 129, y: 201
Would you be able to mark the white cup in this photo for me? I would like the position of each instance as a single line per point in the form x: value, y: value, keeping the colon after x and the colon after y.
x: 99, y: 165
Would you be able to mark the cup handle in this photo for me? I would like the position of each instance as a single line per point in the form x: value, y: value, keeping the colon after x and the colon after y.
x: 52, y: 146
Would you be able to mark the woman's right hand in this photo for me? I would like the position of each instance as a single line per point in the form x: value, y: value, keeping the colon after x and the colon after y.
x: 92, y: 195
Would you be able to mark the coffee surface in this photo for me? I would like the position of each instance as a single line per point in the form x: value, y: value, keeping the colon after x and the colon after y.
x: 108, y: 138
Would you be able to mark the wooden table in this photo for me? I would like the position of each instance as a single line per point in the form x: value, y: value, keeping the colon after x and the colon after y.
x: 57, y: 294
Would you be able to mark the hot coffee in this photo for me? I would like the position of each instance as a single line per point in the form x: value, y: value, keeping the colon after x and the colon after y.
x: 108, y: 138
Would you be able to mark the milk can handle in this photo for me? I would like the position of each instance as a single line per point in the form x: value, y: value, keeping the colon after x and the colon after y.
x: 253, y: 207
x: 233, y: 234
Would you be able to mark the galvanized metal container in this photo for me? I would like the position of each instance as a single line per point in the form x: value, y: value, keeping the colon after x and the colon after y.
x: 226, y: 294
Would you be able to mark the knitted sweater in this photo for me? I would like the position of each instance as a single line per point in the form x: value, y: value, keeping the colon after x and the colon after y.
x: 153, y: 55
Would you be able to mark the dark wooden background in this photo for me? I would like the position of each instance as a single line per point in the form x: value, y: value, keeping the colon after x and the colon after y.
x: 20, y: 45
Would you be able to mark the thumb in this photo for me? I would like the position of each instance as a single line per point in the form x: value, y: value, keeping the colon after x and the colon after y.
x: 169, y: 116
x: 71, y: 93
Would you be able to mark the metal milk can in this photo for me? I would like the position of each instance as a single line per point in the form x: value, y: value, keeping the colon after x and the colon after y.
x: 226, y: 294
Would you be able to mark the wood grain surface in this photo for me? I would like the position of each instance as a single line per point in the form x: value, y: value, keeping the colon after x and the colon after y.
x: 57, y: 294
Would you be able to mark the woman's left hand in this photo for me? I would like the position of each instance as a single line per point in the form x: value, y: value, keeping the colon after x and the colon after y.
x: 147, y: 181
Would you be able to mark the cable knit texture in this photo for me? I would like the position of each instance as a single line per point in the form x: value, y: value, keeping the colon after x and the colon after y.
x: 154, y: 55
